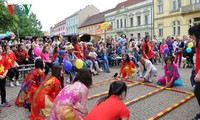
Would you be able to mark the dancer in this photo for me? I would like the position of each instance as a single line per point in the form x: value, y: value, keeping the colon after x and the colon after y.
x: 45, y: 94
x: 146, y: 70
x: 147, y: 50
x: 111, y: 107
x: 171, y: 73
x: 127, y: 67
x: 71, y: 102
x: 31, y: 82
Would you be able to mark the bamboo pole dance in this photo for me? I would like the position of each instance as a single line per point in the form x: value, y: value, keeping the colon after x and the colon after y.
x: 106, y: 92
x: 172, y: 107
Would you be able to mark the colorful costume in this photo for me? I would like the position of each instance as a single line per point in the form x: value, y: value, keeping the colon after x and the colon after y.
x: 169, y: 73
x: 149, y: 53
x: 44, y: 97
x: 127, y: 69
x: 31, y: 82
x: 71, y: 103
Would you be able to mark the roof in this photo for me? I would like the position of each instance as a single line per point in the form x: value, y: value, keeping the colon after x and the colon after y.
x: 127, y: 3
x: 94, y: 19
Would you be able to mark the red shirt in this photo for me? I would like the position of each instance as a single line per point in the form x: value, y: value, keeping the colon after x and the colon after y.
x: 4, y: 65
x: 11, y: 58
x: 21, y: 55
x: 111, y: 109
x: 150, y: 50
x: 77, y: 48
x: 197, y: 58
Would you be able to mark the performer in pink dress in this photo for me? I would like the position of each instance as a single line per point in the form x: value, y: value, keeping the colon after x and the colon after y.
x: 71, y: 102
x: 171, y: 73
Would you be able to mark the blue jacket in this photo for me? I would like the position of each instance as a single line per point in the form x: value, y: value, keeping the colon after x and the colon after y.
x: 104, y: 56
x: 57, y: 61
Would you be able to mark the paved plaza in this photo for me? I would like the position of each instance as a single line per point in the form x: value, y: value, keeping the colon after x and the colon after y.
x: 140, y: 110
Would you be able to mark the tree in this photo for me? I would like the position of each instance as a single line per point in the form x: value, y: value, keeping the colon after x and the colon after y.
x: 24, y: 25
x: 7, y: 21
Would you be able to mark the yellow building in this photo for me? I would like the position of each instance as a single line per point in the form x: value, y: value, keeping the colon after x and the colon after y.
x: 175, y: 17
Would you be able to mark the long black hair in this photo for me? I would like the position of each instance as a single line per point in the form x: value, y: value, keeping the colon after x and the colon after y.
x: 84, y: 76
x: 39, y: 64
x: 74, y: 40
x: 147, y: 47
x: 56, y: 70
x: 195, y: 30
x: 116, y: 88
x: 127, y: 58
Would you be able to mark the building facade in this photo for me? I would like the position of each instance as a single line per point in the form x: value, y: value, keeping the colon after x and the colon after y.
x: 60, y: 28
x: 91, y: 25
x: 76, y: 19
x: 132, y: 18
x: 175, y: 17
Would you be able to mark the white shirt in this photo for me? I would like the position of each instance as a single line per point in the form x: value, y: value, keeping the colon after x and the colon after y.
x: 148, y: 65
x: 92, y: 54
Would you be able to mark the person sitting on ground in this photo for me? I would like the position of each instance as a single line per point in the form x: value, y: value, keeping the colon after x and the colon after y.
x: 45, y: 94
x: 171, y: 73
x: 31, y: 82
x: 111, y: 107
x: 146, y: 70
x: 127, y: 68
x: 71, y: 102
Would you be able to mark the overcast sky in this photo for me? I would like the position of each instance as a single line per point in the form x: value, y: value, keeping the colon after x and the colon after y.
x: 49, y: 12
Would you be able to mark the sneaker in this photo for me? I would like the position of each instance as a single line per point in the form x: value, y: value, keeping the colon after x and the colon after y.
x: 17, y: 83
x: 5, y: 104
x: 11, y: 84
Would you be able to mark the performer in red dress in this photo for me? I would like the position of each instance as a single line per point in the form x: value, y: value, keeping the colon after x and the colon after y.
x: 127, y: 67
x: 45, y: 95
x: 31, y: 82
x: 147, y: 51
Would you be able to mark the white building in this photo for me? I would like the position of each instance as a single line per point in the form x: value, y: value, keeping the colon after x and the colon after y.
x: 76, y: 19
x: 132, y: 17
x: 60, y: 28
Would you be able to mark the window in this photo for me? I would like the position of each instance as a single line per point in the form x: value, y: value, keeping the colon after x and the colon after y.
x: 160, y: 30
x: 191, y: 2
x: 197, y: 1
x: 138, y: 35
x: 146, y: 19
x: 146, y: 33
x: 138, y: 20
x: 190, y: 23
x: 179, y: 30
x: 179, y: 3
x: 121, y: 23
x: 174, y: 28
x: 160, y: 6
x: 117, y: 23
x: 173, y: 4
x: 112, y: 25
x: 125, y: 23
x: 131, y: 22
